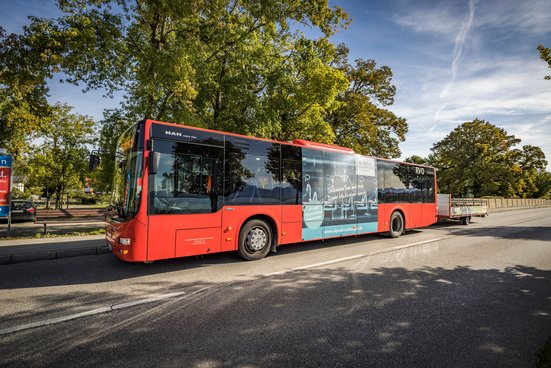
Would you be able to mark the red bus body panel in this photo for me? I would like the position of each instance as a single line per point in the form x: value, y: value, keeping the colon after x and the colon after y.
x: 173, y: 236
x: 291, y: 224
x: 133, y: 229
x: 416, y: 215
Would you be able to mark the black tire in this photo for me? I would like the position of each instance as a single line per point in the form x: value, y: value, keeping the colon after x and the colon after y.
x: 396, y: 225
x: 466, y: 220
x: 255, y: 240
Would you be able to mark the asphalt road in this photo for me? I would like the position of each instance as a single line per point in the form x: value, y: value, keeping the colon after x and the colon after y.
x: 446, y: 296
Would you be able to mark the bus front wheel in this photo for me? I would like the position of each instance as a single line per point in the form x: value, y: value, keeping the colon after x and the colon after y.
x: 396, y: 224
x: 255, y: 239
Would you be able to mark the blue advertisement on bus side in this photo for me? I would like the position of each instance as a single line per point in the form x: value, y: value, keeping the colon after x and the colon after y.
x: 339, y: 194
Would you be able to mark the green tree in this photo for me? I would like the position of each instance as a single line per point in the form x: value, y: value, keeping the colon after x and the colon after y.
x: 23, y: 90
x: 545, y: 55
x: 114, y: 123
x: 479, y: 159
x: 217, y: 64
x: 362, y: 122
x: 305, y: 90
x: 239, y: 66
x: 476, y: 159
x: 528, y: 164
x: 543, y: 185
x: 58, y: 162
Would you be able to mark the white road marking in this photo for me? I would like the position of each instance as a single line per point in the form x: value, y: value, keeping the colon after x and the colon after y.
x: 92, y: 312
x: 388, y: 250
x: 108, y: 309
x: 314, y: 265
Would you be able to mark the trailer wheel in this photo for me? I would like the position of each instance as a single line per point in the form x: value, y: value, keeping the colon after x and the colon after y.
x: 396, y: 225
x: 466, y: 220
x: 255, y: 239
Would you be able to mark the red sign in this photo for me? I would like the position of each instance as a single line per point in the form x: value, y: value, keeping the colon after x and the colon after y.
x: 5, y: 174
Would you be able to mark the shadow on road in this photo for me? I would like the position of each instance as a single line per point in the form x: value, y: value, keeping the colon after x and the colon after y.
x: 107, y: 267
x: 542, y: 233
x: 435, y: 317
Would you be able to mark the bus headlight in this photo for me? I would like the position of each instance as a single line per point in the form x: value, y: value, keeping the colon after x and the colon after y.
x: 124, y: 241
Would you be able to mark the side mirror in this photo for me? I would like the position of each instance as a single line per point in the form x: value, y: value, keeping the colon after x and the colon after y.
x: 94, y: 162
x: 154, y: 158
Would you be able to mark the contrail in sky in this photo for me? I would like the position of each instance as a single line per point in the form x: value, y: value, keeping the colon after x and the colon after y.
x: 457, y: 52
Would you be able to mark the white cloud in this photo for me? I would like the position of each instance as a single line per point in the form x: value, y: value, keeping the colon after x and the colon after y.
x: 509, y: 93
x: 427, y: 23
x: 494, y: 72
x: 528, y: 16
x: 439, y: 21
x: 444, y: 20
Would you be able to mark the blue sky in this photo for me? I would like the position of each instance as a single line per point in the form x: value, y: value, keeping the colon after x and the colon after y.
x: 453, y: 61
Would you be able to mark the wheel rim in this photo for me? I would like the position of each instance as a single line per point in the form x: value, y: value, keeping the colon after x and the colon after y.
x: 396, y: 224
x: 256, y: 239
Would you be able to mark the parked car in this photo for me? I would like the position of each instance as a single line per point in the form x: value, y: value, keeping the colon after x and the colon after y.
x: 22, y: 210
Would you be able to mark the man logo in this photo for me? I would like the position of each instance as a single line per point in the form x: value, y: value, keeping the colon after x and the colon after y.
x: 174, y: 134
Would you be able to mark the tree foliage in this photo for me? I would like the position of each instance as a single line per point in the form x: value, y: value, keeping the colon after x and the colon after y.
x: 542, y: 182
x: 221, y: 64
x: 58, y: 162
x: 545, y: 55
x: 114, y: 123
x: 239, y: 66
x: 479, y: 159
x: 23, y: 105
x: 528, y: 163
x: 361, y: 122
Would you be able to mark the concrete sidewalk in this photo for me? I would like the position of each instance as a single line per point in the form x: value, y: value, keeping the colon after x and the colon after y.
x: 27, y: 250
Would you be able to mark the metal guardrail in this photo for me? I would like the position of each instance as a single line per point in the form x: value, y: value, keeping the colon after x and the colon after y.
x: 503, y: 203
x: 46, y: 217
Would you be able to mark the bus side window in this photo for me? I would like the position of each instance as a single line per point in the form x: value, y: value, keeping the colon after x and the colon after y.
x: 291, y: 175
x: 252, y: 172
x: 189, y: 178
x: 429, y: 186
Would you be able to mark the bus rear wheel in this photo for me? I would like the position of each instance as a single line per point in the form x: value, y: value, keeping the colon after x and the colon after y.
x: 396, y: 225
x: 255, y: 239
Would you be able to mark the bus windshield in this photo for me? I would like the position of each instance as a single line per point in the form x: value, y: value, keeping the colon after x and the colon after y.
x: 127, y: 179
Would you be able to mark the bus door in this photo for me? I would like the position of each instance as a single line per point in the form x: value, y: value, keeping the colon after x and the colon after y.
x: 185, y: 200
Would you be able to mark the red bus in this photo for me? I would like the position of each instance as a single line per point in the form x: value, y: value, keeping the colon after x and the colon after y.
x: 182, y: 191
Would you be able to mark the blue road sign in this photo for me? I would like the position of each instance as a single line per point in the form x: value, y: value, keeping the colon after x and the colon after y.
x: 5, y: 161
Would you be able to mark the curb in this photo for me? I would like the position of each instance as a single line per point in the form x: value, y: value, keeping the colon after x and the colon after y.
x: 53, y: 254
